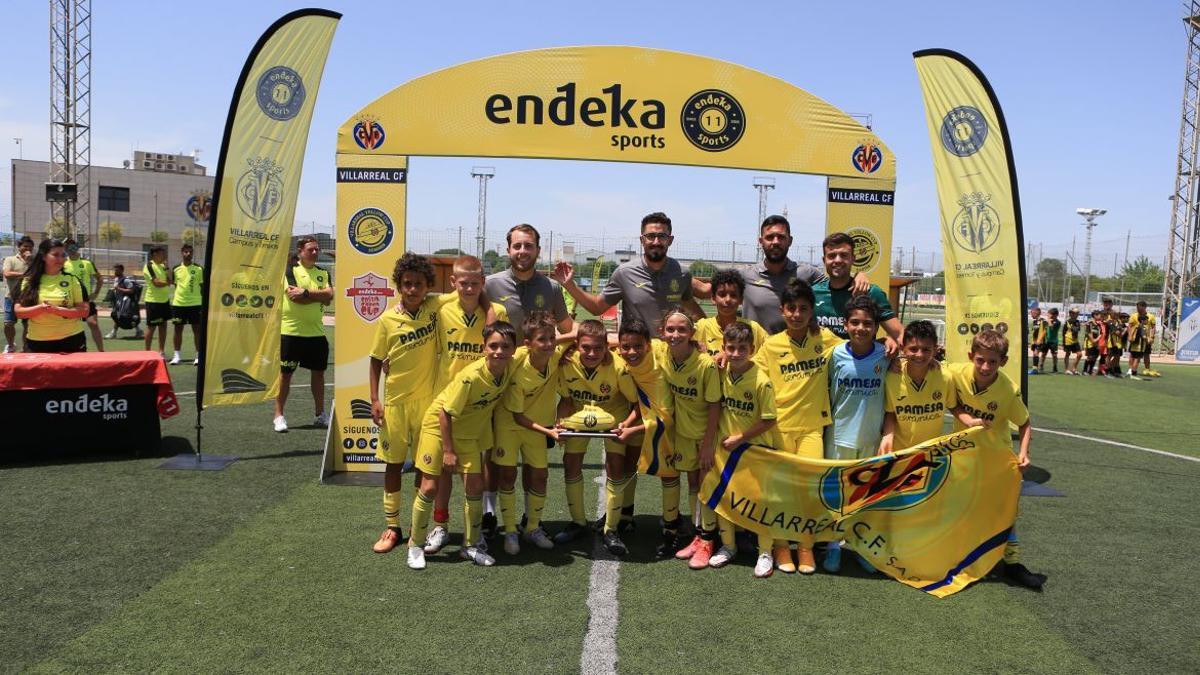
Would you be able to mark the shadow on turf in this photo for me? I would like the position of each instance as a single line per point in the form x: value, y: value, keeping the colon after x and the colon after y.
x: 56, y: 455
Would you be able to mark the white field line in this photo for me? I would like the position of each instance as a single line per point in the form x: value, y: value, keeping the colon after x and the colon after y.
x: 600, y: 644
x: 328, y: 385
x: 1105, y: 441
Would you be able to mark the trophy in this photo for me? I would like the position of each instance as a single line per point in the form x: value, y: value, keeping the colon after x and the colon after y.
x: 589, y: 422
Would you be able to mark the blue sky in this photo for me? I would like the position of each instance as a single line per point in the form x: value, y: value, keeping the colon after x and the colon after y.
x: 1091, y: 92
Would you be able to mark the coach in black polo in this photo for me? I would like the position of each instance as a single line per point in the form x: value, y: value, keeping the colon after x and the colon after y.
x: 766, y: 280
x: 646, y: 287
x: 523, y: 289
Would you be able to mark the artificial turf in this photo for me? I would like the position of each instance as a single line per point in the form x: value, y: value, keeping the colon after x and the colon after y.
x: 112, y: 564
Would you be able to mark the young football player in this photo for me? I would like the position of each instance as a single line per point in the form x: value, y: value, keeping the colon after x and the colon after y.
x: 1037, y: 338
x: 452, y: 438
x: 1050, y: 345
x: 594, y: 375
x: 525, y: 427
x: 728, y: 290
x: 917, y: 397
x: 856, y: 373
x: 461, y: 322
x: 796, y: 360
x: 1093, y: 335
x: 1141, y: 337
x: 987, y: 397
x: 694, y: 390
x: 747, y: 416
x: 650, y: 443
x: 1116, y: 332
x: 405, y: 340
x: 1070, y: 334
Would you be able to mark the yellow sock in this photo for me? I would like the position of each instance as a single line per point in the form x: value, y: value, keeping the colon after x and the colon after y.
x: 508, y: 510
x: 630, y: 493
x: 708, y: 519
x: 728, y: 533
x: 1012, y: 551
x: 536, y: 501
x: 575, y: 500
x: 614, y: 495
x: 473, y: 516
x: 422, y: 506
x: 391, y: 509
x: 670, y: 499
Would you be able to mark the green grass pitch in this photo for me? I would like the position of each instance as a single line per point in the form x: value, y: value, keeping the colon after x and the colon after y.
x: 111, y: 564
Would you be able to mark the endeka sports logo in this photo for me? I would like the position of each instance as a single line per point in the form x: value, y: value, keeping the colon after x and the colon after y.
x: 109, y: 407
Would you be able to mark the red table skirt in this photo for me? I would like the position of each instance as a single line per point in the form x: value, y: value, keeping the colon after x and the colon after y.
x: 89, y: 370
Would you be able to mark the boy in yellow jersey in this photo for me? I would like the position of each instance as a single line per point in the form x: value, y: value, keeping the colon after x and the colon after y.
x: 797, y: 361
x: 648, y: 444
x: 1141, y: 338
x: 185, y: 304
x: 918, y: 396
x: 1093, y: 335
x: 987, y: 397
x: 302, y: 342
x: 525, y: 427
x: 451, y: 439
x: 157, y: 297
x: 747, y: 416
x: 406, y: 340
x: 1037, y: 339
x: 1071, y: 341
x: 83, y: 269
x: 728, y: 290
x: 594, y: 375
x: 460, y: 343
x: 694, y: 399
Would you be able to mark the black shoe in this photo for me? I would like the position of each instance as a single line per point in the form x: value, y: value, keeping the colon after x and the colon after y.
x: 523, y: 523
x: 614, y: 545
x: 670, y: 541
x: 1020, y: 575
x: 570, y: 533
x: 626, y: 524
x: 599, y: 524
x: 491, y: 526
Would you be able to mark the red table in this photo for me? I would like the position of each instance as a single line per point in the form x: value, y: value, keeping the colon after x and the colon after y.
x: 94, y: 400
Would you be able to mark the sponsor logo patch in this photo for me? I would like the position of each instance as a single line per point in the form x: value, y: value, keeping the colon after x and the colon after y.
x: 280, y: 93
x: 369, y: 293
x: 370, y: 231
x: 713, y: 120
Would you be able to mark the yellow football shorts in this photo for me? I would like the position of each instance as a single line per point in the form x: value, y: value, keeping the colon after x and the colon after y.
x: 686, y: 453
x: 515, y: 440
x: 429, y: 454
x: 401, y: 429
x: 579, y: 446
x: 806, y: 444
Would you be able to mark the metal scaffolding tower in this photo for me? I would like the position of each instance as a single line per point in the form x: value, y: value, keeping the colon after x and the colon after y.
x: 762, y: 184
x: 484, y: 174
x: 1181, y: 271
x: 71, y: 114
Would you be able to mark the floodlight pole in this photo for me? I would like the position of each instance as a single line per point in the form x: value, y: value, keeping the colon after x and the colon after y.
x: 1089, y: 215
x: 484, y: 174
x: 762, y: 184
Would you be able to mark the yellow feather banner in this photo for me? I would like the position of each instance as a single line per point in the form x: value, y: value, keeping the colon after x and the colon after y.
x: 934, y: 516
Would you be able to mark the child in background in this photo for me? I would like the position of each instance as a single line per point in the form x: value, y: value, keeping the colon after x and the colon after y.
x: 728, y: 291
x: 1050, y: 345
x: 747, y: 416
x: 986, y: 397
x: 1071, y: 330
x: 694, y: 390
x: 1093, y: 335
x: 1037, y: 338
x: 856, y: 372
x: 796, y: 361
x: 1115, y: 333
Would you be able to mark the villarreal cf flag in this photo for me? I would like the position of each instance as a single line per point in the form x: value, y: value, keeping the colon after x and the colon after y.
x: 934, y: 516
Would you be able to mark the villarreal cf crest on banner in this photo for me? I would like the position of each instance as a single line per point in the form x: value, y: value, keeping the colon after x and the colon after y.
x: 934, y: 516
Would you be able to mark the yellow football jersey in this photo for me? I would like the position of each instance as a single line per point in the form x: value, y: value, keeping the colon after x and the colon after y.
x: 647, y: 376
x: 460, y: 337
x: 711, y: 337
x: 1000, y: 403
x: 408, y: 343
x: 469, y: 399
x: 532, y: 392
x: 920, y: 409
x: 691, y: 386
x: 747, y: 398
x: 609, y: 385
x: 799, y: 372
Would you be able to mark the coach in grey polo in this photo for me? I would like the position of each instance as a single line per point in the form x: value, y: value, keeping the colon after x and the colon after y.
x: 521, y: 288
x: 646, y: 287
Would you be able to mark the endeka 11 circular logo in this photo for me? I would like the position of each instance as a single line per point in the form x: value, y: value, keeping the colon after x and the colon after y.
x: 370, y: 231
x: 280, y: 93
x: 713, y: 120
x: 964, y: 131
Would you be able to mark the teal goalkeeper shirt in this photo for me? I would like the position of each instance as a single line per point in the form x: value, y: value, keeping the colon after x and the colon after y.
x: 831, y: 306
x: 856, y: 398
